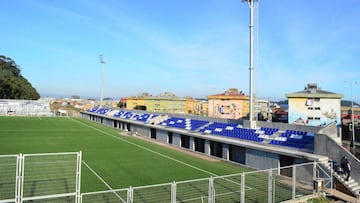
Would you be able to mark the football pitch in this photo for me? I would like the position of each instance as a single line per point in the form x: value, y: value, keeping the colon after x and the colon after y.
x: 120, y: 161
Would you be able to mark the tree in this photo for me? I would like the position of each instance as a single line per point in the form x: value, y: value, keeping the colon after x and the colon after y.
x: 12, y: 84
x: 121, y: 105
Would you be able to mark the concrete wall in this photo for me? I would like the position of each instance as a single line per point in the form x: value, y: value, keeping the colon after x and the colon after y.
x: 192, y: 144
x: 141, y: 130
x: 261, y: 160
x: 176, y: 140
x: 225, y: 152
x: 162, y: 136
x: 85, y: 116
x: 332, y: 131
x: 108, y: 122
x: 329, y: 147
x: 207, y: 147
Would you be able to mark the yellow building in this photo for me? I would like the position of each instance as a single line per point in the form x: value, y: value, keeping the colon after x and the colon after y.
x: 166, y: 102
x: 204, y: 107
x: 231, y: 105
x: 192, y: 106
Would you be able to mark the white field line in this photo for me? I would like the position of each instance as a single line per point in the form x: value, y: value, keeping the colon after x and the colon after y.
x: 103, y: 181
x: 42, y: 130
x: 158, y: 153
x: 147, y: 149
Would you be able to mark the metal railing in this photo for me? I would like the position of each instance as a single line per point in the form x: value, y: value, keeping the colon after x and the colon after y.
x: 271, y: 185
x: 44, y: 177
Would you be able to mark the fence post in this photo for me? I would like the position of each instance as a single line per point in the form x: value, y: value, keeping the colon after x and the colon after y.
x: 294, y: 182
x: 78, y: 177
x: 21, y: 178
x: 130, y: 195
x: 173, y: 192
x: 242, y: 193
x: 270, y: 188
x: 211, y: 198
x: 18, y: 177
x: 314, y: 175
x: 332, y: 175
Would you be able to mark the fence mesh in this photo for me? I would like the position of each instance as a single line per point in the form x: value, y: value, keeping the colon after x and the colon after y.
x: 193, y: 191
x: 67, y: 199
x: 118, y: 196
x: 8, y: 170
x: 227, y: 188
x: 282, y: 184
x: 304, y: 180
x: 256, y: 186
x: 49, y: 174
x: 158, y: 193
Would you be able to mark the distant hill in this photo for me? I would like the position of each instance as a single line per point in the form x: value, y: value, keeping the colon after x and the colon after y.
x: 12, y: 84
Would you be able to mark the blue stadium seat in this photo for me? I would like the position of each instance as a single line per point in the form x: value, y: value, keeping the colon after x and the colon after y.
x: 134, y: 116
x: 102, y: 111
x: 184, y: 123
x: 92, y: 110
x: 295, y: 139
x: 231, y: 130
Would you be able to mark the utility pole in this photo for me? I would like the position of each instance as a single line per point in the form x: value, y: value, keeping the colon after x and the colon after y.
x: 352, y: 142
x: 102, y: 61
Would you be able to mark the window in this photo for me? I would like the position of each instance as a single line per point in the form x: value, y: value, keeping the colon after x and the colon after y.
x: 311, y: 118
x: 317, y: 108
x: 310, y: 108
x: 317, y: 118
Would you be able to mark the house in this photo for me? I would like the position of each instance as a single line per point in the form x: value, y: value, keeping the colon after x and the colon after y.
x: 314, y: 107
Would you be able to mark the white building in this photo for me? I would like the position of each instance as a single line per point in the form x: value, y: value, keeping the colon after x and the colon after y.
x: 314, y: 107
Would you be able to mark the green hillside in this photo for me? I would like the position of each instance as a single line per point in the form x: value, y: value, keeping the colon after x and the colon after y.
x: 12, y: 84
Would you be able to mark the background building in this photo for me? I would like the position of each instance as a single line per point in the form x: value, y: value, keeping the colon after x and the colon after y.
x: 231, y: 104
x: 166, y: 102
x: 314, y: 107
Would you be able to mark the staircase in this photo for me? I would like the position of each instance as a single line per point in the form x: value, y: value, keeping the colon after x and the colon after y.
x: 351, y: 184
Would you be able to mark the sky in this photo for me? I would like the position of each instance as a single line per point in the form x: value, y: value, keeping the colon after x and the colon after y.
x: 187, y: 47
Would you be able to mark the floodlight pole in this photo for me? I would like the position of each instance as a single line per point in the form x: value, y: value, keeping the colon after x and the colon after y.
x: 251, y: 4
x: 352, y: 143
x: 102, y: 61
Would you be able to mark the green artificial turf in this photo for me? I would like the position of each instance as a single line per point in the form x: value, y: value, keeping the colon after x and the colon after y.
x: 121, y: 161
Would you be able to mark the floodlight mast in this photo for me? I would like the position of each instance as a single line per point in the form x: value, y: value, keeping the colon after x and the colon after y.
x: 102, y: 61
x: 251, y: 4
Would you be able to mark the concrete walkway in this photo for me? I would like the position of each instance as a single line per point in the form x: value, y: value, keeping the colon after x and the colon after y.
x: 342, y: 196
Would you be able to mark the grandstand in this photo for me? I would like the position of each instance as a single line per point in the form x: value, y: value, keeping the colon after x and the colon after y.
x: 288, y: 138
x: 25, y: 107
x: 269, y: 145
